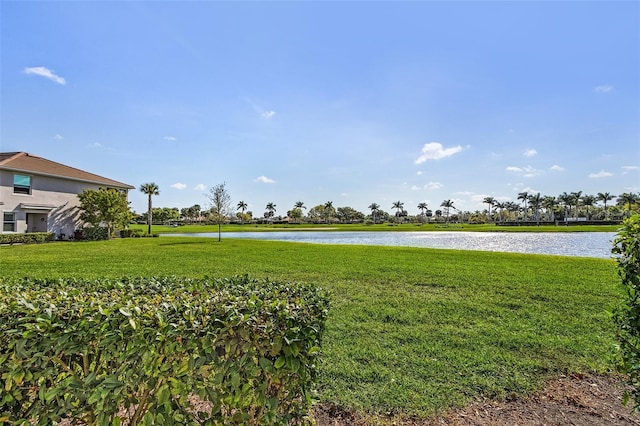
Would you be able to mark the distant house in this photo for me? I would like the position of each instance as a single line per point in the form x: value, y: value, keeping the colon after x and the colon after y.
x: 39, y: 195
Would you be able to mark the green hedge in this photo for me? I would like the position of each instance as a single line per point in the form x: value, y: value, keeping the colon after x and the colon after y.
x: 27, y: 238
x: 626, y: 247
x: 158, y: 348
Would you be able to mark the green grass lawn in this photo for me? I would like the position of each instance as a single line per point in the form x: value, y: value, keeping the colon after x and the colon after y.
x: 411, y: 331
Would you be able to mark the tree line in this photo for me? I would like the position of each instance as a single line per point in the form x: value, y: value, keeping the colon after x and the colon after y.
x: 527, y: 207
x: 110, y: 208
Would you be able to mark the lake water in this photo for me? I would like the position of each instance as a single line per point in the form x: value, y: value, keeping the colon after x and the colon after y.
x: 581, y: 244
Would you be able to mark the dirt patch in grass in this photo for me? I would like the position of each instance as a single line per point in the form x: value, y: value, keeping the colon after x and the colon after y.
x: 567, y: 400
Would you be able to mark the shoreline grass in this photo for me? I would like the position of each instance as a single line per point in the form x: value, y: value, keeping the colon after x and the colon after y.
x: 411, y: 331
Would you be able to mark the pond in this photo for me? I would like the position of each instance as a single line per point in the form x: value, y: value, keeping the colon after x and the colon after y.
x: 581, y: 244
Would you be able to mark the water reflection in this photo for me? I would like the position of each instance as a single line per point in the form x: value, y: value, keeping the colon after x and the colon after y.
x: 581, y: 244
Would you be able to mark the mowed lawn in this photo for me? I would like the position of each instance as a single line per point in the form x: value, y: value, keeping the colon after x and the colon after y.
x: 411, y: 332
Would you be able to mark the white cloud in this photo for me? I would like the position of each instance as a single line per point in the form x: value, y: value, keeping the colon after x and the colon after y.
x: 604, y: 88
x: 527, y: 171
x: 627, y: 169
x: 419, y: 173
x: 200, y: 187
x: 179, y: 185
x: 530, y: 153
x: 170, y: 138
x: 96, y: 145
x: 264, y: 113
x: 430, y: 185
x: 264, y: 179
x: 435, y: 151
x: 557, y: 168
x: 46, y: 73
x: 58, y: 137
x: 600, y: 174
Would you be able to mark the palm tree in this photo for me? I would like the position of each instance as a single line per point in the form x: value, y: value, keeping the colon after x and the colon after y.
x: 374, y: 209
x: 422, y: 207
x: 490, y: 201
x: 604, y: 197
x: 242, y: 206
x: 628, y: 198
x: 271, y: 209
x: 328, y: 211
x: 550, y: 203
x: 588, y: 201
x: 398, y: 205
x: 447, y: 204
x: 150, y: 189
x: 499, y: 205
x: 535, y: 201
x: 297, y: 210
x: 524, y: 196
x: 575, y: 200
x: 566, y: 200
x: 512, y: 208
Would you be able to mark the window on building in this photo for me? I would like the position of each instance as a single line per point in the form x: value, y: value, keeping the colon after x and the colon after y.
x: 9, y: 222
x: 21, y: 184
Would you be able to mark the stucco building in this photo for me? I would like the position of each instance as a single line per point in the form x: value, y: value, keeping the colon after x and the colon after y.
x: 39, y: 195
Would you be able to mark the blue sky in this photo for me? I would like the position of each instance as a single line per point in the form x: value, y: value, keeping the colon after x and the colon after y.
x: 349, y: 102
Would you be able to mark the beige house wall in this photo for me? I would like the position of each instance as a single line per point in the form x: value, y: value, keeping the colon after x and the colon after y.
x: 53, y: 200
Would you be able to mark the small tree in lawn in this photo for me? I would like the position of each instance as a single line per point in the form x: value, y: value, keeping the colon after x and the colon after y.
x: 108, y: 207
x: 220, y: 205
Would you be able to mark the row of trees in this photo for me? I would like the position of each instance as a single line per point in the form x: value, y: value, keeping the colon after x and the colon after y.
x: 566, y: 205
x: 527, y: 207
x: 110, y: 208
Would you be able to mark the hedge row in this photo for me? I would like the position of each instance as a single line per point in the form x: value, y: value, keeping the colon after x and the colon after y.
x: 158, y: 351
x: 626, y: 248
x: 27, y: 238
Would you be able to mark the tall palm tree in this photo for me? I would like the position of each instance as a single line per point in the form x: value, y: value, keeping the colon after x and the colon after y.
x: 524, y: 196
x: 299, y: 205
x: 604, y: 197
x: 422, y: 207
x: 512, y: 208
x: 535, y: 201
x: 628, y: 198
x: 499, y: 205
x: 374, y: 210
x: 447, y: 204
x: 150, y: 189
x: 490, y: 201
x: 271, y: 209
x: 328, y: 211
x: 242, y: 206
x: 566, y: 200
x: 550, y: 203
x: 398, y: 206
x: 575, y: 200
x: 588, y: 201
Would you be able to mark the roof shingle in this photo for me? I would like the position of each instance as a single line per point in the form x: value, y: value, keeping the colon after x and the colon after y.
x: 25, y: 162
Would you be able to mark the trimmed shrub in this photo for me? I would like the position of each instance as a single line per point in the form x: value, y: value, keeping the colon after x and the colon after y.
x: 627, y: 317
x: 131, y: 233
x: 28, y: 238
x: 158, y: 351
x: 95, y: 233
